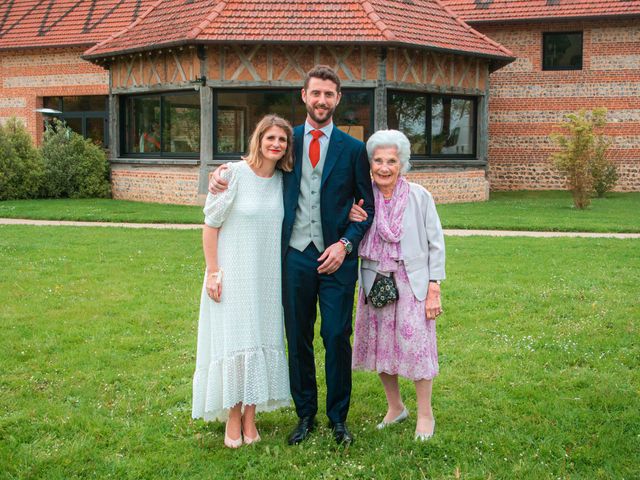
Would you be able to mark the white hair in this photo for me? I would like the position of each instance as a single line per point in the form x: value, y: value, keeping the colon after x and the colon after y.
x: 391, y: 138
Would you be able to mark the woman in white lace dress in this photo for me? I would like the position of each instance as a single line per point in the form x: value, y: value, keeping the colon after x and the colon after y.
x: 241, y: 365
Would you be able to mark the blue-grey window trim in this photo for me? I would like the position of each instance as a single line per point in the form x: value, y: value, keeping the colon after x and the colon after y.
x: 85, y: 114
x: 122, y: 130
x: 224, y: 157
x: 545, y: 35
x: 429, y: 159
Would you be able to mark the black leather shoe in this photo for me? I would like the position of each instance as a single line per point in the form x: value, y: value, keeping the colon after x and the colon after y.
x: 341, y: 434
x: 305, y: 426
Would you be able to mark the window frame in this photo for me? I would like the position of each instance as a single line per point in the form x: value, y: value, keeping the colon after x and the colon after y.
x: 545, y: 67
x: 420, y: 159
x: 223, y: 157
x: 160, y: 154
x: 83, y: 115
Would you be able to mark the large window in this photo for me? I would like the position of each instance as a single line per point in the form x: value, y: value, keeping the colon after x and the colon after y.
x: 436, y: 125
x: 162, y: 125
x: 86, y: 115
x: 236, y: 113
x: 354, y: 114
x: 562, y: 51
x: 452, y: 126
x: 168, y: 124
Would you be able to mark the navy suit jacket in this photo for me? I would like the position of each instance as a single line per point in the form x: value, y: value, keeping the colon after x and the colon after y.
x: 345, y: 179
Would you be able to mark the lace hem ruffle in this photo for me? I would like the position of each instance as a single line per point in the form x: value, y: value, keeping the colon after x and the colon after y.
x: 257, y: 377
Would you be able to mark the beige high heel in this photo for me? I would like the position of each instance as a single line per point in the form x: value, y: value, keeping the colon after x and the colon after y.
x: 229, y: 442
x: 249, y: 440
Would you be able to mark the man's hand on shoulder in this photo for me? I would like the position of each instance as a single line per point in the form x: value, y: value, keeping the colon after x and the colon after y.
x: 332, y: 258
x: 217, y: 184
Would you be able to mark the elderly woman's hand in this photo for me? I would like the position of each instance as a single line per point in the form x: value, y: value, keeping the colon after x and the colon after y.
x: 357, y: 213
x: 433, y: 305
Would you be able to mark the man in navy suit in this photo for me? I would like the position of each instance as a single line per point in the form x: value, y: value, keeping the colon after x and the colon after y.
x: 319, y: 246
x: 319, y: 253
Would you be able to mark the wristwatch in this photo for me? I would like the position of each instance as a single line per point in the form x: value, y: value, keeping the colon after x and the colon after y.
x: 348, y: 246
x: 437, y: 282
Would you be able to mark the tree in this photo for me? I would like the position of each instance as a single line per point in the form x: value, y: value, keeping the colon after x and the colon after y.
x: 582, y: 155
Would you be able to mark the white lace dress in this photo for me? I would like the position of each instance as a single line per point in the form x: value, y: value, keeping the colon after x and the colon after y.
x: 241, y: 355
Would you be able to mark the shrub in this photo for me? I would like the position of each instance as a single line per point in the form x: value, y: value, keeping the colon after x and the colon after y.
x: 603, y: 171
x: 582, y: 155
x: 74, y: 166
x: 21, y: 168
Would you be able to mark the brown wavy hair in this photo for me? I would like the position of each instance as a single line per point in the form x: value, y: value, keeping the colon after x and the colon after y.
x: 323, y: 72
x: 254, y: 157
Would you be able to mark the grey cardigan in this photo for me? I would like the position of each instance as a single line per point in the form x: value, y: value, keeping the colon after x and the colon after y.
x: 422, y: 245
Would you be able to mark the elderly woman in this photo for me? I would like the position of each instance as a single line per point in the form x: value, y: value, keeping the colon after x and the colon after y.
x: 402, y: 256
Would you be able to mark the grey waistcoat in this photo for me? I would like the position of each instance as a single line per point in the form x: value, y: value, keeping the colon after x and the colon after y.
x: 307, y: 227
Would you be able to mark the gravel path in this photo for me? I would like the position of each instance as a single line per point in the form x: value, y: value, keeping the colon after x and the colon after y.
x: 66, y: 223
x: 183, y: 226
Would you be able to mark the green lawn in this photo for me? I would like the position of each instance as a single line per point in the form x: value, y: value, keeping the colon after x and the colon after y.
x: 101, y: 210
x: 526, y: 210
x: 546, y: 210
x: 539, y: 358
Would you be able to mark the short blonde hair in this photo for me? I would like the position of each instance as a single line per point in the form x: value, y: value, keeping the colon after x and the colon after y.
x: 254, y: 156
x: 391, y: 138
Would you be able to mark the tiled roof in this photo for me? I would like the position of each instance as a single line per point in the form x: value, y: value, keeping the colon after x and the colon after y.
x: 419, y: 23
x: 44, y: 23
x: 508, y: 10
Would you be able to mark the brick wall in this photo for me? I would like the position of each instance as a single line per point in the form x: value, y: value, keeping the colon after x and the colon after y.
x: 525, y: 102
x: 28, y: 75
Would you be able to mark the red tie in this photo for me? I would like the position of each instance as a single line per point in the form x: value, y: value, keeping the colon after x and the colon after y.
x: 314, y: 147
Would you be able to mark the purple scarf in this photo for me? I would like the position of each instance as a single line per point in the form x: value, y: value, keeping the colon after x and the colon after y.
x: 382, y: 242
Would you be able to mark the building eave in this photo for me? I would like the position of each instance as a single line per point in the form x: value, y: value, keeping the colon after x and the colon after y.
x: 52, y: 46
x: 554, y: 19
x: 397, y: 44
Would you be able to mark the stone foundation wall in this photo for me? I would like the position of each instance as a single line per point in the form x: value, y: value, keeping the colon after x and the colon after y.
x: 180, y: 184
x: 449, y: 186
x: 517, y: 176
x: 177, y: 185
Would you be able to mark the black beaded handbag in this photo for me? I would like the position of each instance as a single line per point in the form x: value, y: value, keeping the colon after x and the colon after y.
x: 384, y: 291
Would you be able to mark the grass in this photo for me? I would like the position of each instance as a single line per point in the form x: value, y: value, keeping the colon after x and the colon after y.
x: 539, y: 360
x: 545, y: 211
x: 525, y: 210
x: 101, y: 210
